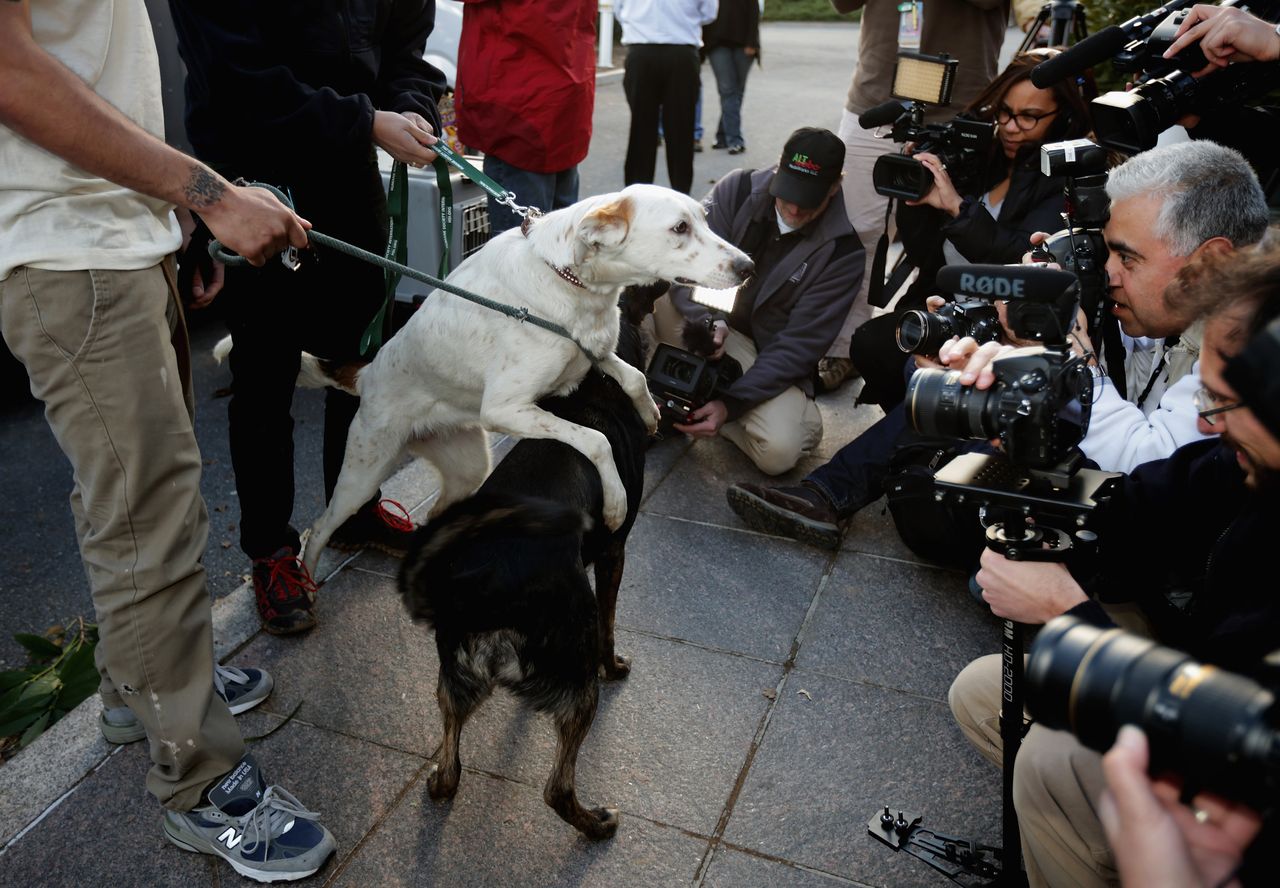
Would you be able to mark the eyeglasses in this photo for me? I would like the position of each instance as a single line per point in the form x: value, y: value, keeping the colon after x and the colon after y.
x: 1209, y: 405
x: 1023, y: 120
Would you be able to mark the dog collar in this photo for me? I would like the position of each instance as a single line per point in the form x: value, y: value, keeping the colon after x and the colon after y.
x: 564, y: 273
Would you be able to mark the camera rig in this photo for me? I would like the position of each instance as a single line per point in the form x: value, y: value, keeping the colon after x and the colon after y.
x: 1035, y: 502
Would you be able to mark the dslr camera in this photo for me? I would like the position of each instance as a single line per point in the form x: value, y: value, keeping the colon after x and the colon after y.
x: 1039, y: 404
x: 1220, y: 731
x: 682, y: 381
x: 923, y: 333
x: 959, y: 144
x: 1164, y: 90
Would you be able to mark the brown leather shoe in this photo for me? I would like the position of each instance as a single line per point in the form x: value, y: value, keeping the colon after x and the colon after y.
x: 802, y: 513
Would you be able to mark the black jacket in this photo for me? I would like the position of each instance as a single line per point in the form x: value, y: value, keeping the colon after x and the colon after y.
x: 1191, y: 545
x: 1034, y: 202
x: 274, y: 88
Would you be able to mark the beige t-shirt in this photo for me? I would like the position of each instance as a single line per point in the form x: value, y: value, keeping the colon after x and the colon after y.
x: 56, y: 216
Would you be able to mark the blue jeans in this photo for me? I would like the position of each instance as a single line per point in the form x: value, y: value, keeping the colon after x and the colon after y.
x: 731, y: 65
x: 546, y: 191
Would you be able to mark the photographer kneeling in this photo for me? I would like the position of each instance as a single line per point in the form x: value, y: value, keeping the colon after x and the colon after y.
x: 791, y: 221
x: 1183, y: 541
x: 985, y: 214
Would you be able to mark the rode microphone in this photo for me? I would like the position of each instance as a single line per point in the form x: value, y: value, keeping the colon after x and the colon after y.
x: 1029, y: 282
x: 1042, y: 302
x: 1101, y: 46
x: 881, y: 115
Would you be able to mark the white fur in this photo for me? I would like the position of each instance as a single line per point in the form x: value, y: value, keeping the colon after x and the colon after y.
x: 457, y: 368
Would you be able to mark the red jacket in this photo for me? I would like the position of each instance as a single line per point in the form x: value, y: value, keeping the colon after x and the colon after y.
x: 527, y: 81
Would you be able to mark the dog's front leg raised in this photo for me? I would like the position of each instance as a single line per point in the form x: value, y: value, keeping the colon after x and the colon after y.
x: 530, y: 421
x: 636, y: 387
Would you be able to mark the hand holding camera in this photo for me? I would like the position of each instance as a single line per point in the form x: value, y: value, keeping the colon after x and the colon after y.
x: 1159, y: 840
x: 1226, y: 35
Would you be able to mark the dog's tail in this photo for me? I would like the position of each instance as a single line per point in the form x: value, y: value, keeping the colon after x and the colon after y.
x: 314, y: 372
x: 453, y: 559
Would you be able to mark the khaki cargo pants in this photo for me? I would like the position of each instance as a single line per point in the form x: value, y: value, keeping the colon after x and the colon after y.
x: 107, y: 353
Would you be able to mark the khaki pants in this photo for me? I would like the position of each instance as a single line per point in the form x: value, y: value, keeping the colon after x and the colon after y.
x: 866, y: 213
x: 1056, y: 786
x: 107, y: 353
x: 775, y: 434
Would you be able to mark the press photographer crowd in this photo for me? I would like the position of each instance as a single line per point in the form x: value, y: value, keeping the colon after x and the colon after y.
x: 1064, y: 302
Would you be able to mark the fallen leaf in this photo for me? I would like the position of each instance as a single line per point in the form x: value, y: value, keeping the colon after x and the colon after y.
x: 770, y: 694
x: 803, y: 693
x: 226, y: 544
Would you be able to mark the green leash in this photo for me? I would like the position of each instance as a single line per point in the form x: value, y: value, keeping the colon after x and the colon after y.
x: 217, y: 251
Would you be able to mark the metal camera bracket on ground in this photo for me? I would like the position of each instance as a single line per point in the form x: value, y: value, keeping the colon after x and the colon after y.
x: 963, y: 861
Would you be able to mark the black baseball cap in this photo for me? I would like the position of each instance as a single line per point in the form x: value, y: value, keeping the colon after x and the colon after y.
x: 811, y: 162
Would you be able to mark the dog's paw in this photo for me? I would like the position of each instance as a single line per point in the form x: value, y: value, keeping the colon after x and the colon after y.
x: 654, y: 417
x: 615, y: 514
x: 615, y: 667
x: 442, y: 785
x: 603, y: 824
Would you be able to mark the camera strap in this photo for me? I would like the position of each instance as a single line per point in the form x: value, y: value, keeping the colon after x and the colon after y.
x: 879, y: 292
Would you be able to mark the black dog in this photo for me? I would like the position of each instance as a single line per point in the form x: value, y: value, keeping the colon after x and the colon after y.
x: 501, y: 577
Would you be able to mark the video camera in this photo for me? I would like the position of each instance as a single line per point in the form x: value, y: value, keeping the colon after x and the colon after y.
x: 1165, y: 90
x: 682, y: 381
x: 1080, y: 248
x: 1219, y: 731
x: 959, y: 143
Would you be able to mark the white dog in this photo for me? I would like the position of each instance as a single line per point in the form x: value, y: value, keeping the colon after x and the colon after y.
x: 458, y: 368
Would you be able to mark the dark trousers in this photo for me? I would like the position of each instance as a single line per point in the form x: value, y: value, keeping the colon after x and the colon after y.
x: 274, y: 315
x: 874, y: 351
x: 854, y: 476
x: 661, y: 76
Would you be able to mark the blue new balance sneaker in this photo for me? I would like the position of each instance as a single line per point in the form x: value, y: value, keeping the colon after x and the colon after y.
x: 258, y: 828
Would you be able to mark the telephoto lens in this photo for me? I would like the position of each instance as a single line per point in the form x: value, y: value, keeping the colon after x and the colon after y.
x: 1216, y: 729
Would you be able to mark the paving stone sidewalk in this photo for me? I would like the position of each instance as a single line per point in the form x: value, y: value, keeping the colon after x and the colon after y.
x: 778, y: 695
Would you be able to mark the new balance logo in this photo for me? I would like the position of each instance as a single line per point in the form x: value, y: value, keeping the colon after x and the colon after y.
x: 230, y: 837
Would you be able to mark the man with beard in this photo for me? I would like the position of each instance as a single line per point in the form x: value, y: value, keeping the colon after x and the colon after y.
x: 1183, y: 540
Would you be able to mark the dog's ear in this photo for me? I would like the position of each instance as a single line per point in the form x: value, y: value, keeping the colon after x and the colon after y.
x: 604, y: 227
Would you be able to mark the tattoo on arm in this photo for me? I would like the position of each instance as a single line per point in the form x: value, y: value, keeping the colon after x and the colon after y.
x: 203, y: 189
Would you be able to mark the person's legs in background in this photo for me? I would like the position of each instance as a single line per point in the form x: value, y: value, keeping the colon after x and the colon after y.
x: 679, y: 102
x: 730, y: 64
x: 531, y: 190
x: 644, y: 82
x: 866, y: 211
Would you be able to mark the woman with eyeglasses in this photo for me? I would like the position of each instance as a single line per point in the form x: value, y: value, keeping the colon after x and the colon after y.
x: 987, y: 218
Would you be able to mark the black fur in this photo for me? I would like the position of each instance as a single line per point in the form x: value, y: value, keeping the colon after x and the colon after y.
x: 501, y: 578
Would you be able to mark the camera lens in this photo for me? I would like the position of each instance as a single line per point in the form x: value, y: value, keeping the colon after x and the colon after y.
x: 922, y: 332
x: 1214, y: 728
x: 938, y: 405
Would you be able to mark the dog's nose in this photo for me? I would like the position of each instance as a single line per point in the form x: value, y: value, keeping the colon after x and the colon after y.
x: 743, y: 266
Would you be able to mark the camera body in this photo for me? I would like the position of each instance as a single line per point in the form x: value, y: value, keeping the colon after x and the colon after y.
x: 923, y: 333
x: 682, y: 381
x: 1039, y: 404
x: 1216, y: 729
x: 959, y: 143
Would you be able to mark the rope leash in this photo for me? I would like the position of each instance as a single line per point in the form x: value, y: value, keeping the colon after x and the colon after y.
x: 522, y: 314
